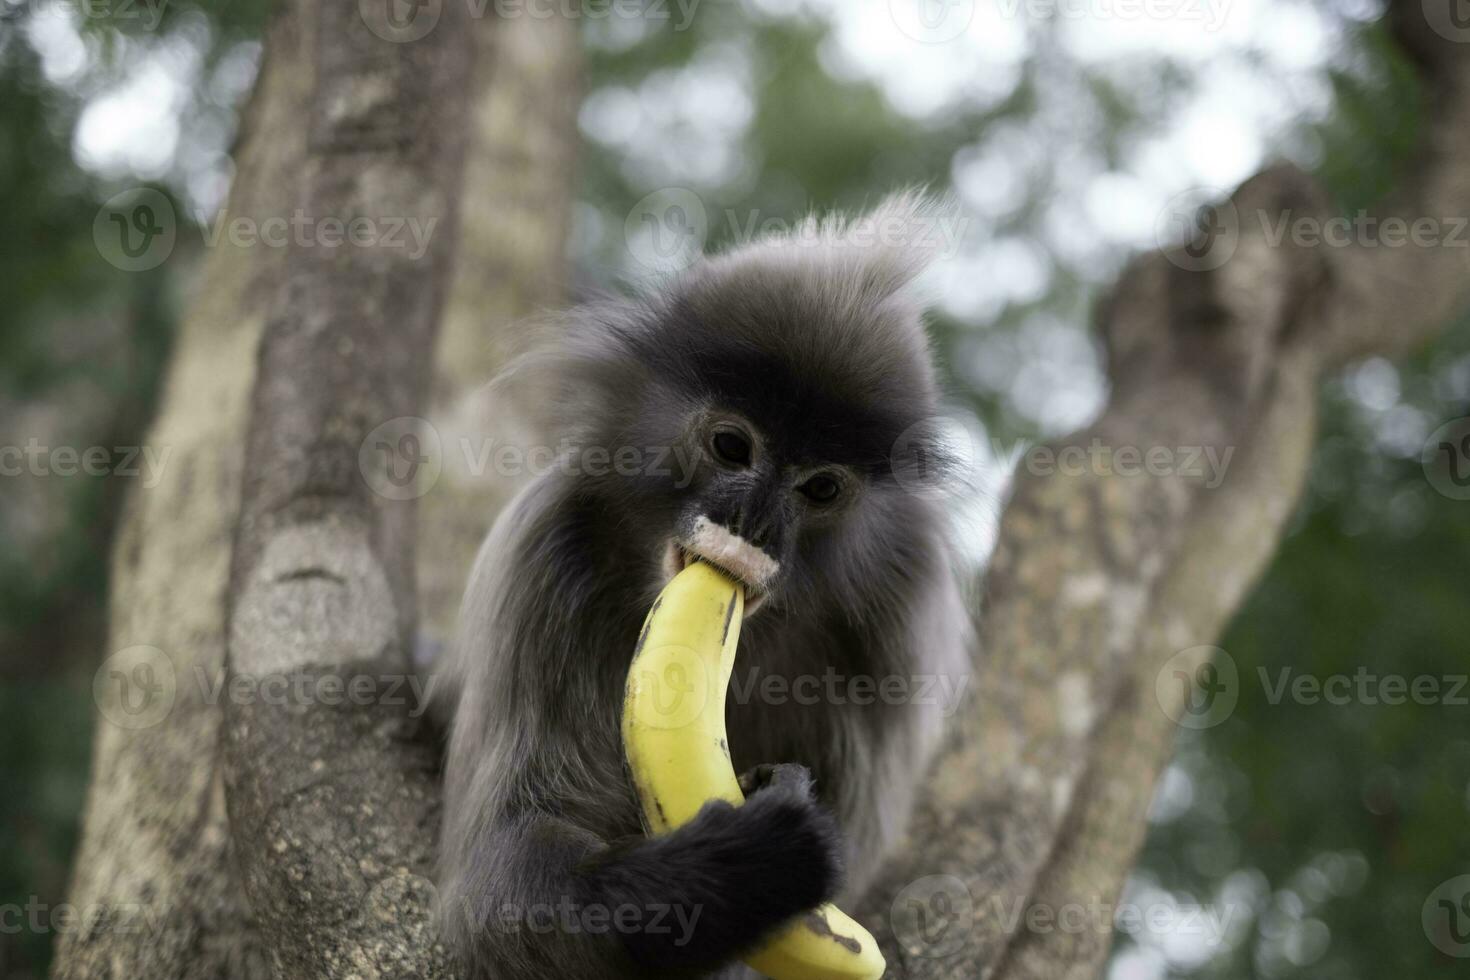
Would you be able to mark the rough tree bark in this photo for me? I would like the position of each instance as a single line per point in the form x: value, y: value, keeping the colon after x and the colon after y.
x: 511, y: 264
x: 1096, y: 582
x: 1040, y: 798
x: 333, y: 808
x: 154, y: 833
x: 155, y: 874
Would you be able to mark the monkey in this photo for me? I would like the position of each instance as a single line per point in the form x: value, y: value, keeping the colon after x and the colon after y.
x: 761, y: 393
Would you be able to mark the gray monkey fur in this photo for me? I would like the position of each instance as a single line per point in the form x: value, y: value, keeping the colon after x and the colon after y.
x: 811, y: 343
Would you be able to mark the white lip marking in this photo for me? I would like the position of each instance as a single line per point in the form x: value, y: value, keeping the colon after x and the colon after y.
x: 732, y: 552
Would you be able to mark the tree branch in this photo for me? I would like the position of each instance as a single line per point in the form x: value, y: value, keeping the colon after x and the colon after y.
x: 1039, y: 800
x: 156, y: 841
x: 510, y: 264
x: 154, y: 835
x: 1389, y: 300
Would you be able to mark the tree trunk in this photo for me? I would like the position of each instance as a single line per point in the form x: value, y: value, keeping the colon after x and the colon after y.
x: 155, y: 877
x: 1105, y: 587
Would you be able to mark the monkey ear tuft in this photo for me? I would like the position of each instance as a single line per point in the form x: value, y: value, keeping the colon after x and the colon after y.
x: 885, y: 250
x: 863, y: 260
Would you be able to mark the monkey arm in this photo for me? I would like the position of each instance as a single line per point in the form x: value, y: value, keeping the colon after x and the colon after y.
x: 545, y: 898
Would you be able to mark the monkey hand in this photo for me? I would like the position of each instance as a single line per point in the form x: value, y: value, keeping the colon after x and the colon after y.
x: 769, y: 774
x: 806, y: 844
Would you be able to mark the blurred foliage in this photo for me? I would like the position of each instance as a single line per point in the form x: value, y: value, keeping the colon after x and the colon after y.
x: 82, y: 350
x: 1321, y: 829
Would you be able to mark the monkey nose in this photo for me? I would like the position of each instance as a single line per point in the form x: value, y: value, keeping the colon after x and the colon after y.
x: 727, y: 551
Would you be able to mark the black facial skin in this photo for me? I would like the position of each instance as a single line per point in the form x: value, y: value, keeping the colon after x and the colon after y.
x: 764, y: 391
x: 819, y: 426
x: 750, y: 483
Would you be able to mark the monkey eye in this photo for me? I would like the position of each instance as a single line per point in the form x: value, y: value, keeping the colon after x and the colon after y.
x: 822, y: 488
x: 731, y: 447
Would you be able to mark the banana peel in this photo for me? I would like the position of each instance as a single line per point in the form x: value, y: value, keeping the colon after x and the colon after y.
x: 679, y: 757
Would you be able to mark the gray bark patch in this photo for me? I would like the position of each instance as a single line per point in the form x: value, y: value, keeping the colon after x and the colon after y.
x: 318, y: 596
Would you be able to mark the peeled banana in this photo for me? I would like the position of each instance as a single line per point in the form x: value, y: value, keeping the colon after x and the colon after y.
x: 674, y: 737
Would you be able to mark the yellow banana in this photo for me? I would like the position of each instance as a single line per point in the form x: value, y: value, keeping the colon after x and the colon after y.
x: 674, y: 736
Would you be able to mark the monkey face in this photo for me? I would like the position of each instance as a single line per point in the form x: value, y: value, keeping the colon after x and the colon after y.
x: 784, y: 475
x: 782, y: 378
x: 751, y: 499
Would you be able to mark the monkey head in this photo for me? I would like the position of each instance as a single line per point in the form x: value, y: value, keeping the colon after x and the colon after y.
x: 773, y: 383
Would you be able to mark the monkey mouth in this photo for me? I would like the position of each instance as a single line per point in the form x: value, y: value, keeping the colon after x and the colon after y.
x: 679, y: 555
